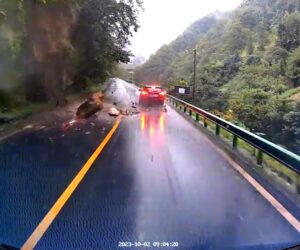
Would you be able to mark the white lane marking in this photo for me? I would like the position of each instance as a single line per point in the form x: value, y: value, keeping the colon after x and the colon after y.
x: 276, y: 204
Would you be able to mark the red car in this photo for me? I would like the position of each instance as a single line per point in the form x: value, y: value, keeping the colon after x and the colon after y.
x: 152, y: 95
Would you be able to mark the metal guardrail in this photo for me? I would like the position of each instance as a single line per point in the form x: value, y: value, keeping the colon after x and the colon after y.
x: 285, y: 157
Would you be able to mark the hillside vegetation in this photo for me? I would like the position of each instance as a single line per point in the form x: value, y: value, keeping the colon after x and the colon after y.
x: 248, y: 67
x: 51, y: 47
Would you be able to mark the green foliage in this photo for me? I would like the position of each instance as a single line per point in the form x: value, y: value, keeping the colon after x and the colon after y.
x: 258, y: 76
x: 250, y: 16
x: 252, y: 105
x: 289, y: 31
x: 291, y: 130
x: 102, y: 32
x: 48, y: 45
x: 121, y: 72
x: 247, y: 63
x: 181, y: 82
x: 160, y: 68
x: 236, y: 38
x: 11, y: 43
x: 5, y: 100
x: 290, y: 93
x: 293, y: 67
x: 210, y: 98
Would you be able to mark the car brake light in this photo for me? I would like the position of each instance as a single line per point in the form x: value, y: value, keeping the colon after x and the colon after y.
x: 163, y: 93
x: 144, y: 92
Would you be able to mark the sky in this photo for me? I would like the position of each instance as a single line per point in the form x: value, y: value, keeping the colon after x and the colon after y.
x: 163, y: 20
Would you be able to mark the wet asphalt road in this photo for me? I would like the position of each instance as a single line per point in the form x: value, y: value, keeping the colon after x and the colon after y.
x: 158, y: 180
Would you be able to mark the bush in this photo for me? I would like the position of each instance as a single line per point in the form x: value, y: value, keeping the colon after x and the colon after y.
x: 293, y: 67
x: 6, y: 100
x: 210, y: 98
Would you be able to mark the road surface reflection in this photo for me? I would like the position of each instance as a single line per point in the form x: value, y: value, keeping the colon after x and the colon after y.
x: 153, y: 122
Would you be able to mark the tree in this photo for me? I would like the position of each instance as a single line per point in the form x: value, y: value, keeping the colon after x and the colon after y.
x: 236, y: 38
x: 210, y: 98
x: 291, y: 130
x: 250, y: 16
x: 11, y: 43
x: 59, y: 42
x: 251, y: 108
x: 293, y: 67
x: 289, y: 31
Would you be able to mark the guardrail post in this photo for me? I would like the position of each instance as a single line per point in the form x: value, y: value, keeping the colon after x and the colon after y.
x: 217, y: 129
x: 298, y: 184
x: 190, y: 112
x: 235, y: 138
x: 254, y: 149
x: 260, y: 146
x: 204, y: 122
x: 234, y: 141
x: 260, y: 157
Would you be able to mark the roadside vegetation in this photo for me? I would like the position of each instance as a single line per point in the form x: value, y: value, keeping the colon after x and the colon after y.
x: 248, y: 67
x: 50, y: 49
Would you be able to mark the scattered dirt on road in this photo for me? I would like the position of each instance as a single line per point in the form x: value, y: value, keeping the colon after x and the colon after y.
x: 77, y: 111
x: 61, y: 117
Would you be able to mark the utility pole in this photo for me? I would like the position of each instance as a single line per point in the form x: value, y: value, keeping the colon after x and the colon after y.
x: 194, y: 83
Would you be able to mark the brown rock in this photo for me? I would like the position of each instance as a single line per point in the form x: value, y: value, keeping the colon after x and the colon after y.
x: 91, y: 106
x: 97, y: 98
x: 125, y: 111
x: 113, y: 112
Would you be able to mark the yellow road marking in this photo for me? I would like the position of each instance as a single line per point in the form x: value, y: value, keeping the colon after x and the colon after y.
x: 276, y: 204
x: 54, y: 211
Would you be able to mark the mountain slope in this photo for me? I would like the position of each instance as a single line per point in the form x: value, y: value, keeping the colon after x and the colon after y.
x: 248, y: 68
x: 156, y: 67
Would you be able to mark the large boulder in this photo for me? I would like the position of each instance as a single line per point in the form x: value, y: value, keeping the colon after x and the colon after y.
x: 90, y: 106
